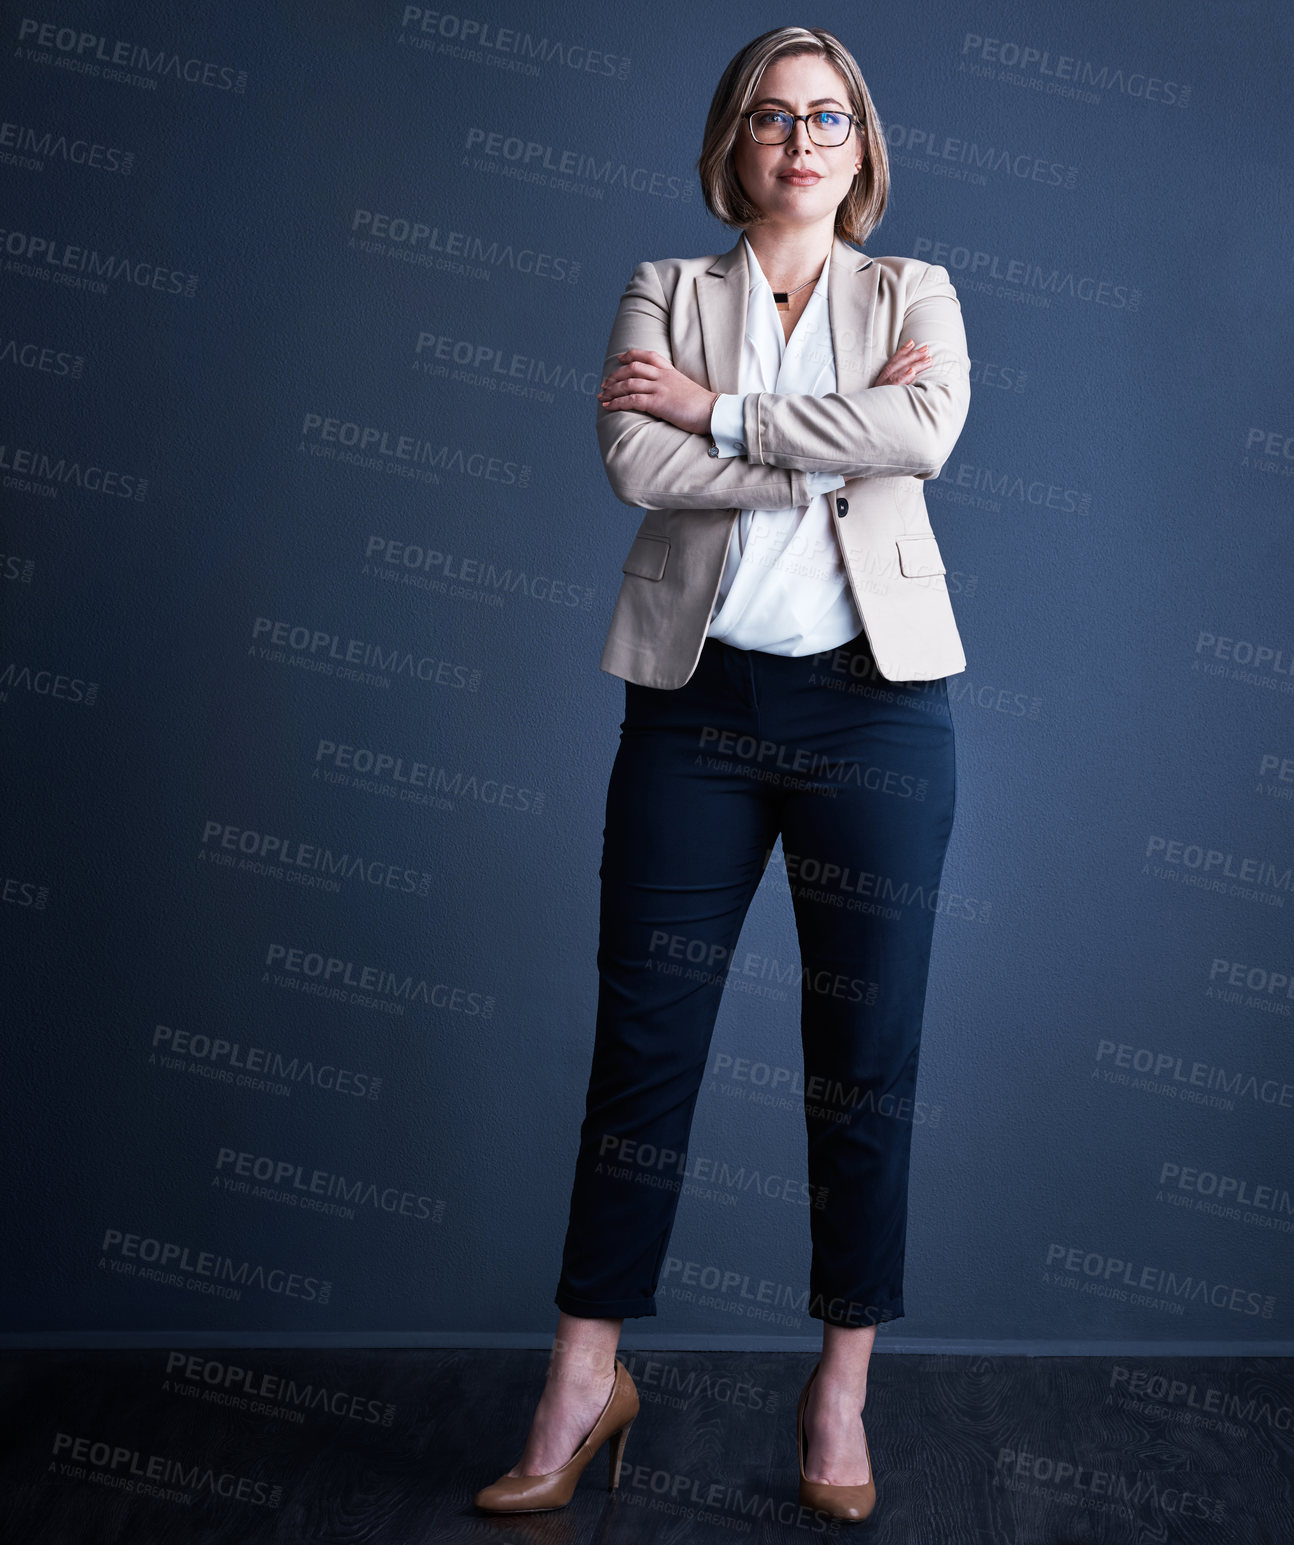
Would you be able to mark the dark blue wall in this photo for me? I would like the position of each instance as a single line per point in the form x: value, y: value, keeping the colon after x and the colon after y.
x: 308, y: 560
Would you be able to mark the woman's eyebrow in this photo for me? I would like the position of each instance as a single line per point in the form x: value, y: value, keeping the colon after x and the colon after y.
x: 817, y: 101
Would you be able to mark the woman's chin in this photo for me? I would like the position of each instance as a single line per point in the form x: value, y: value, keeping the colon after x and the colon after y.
x: 805, y: 200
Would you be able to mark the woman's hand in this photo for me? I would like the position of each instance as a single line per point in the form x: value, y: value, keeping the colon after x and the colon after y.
x: 904, y: 364
x: 646, y: 382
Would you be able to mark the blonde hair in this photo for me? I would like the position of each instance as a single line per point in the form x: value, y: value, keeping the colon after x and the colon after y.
x: 861, y: 209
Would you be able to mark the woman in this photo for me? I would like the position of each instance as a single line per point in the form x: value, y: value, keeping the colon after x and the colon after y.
x: 784, y: 670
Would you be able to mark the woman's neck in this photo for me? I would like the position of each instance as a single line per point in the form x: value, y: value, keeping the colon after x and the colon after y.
x: 789, y: 255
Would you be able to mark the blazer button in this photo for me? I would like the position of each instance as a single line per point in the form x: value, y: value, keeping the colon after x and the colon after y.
x: 842, y: 508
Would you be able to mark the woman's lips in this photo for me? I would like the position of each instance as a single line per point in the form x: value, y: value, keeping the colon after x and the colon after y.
x: 802, y: 179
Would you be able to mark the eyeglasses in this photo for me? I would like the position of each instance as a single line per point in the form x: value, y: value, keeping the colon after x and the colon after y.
x: 774, y: 126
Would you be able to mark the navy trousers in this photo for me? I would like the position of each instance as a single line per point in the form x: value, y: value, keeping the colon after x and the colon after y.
x: 857, y: 775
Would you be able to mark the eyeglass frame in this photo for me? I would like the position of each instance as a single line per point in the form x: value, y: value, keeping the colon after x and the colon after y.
x: 854, y: 122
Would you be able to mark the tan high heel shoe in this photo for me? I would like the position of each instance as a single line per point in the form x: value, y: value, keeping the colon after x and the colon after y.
x: 555, y: 1488
x: 854, y: 1504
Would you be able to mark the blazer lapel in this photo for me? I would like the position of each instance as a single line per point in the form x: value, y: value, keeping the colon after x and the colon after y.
x: 851, y: 306
x: 721, y: 293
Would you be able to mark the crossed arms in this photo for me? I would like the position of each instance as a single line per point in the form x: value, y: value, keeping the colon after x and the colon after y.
x: 881, y: 431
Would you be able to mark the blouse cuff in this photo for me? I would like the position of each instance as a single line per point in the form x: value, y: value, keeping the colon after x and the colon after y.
x: 823, y: 482
x: 726, y: 425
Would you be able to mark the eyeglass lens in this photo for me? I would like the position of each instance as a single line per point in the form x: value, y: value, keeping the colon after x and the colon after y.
x: 771, y: 127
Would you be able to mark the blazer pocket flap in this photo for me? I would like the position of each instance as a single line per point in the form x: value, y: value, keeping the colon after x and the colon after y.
x: 647, y: 556
x: 919, y: 556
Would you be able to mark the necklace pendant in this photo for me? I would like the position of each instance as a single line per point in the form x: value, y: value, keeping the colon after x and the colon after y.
x: 782, y: 299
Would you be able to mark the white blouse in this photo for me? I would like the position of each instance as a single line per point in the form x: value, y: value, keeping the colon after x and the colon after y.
x: 784, y: 589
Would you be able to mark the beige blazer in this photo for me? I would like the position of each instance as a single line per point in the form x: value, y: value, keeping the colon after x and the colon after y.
x: 885, y: 440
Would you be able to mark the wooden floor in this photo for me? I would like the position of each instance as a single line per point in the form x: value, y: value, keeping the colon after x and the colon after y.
x: 374, y: 1447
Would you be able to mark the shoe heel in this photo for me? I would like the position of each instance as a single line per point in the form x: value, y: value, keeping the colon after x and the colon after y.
x: 616, y: 1450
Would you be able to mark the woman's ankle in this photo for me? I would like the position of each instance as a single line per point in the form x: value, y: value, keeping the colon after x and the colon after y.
x: 580, y: 1375
x: 840, y: 1394
x: 582, y: 1359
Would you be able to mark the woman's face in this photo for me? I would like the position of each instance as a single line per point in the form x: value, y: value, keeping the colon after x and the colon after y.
x: 780, y: 179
